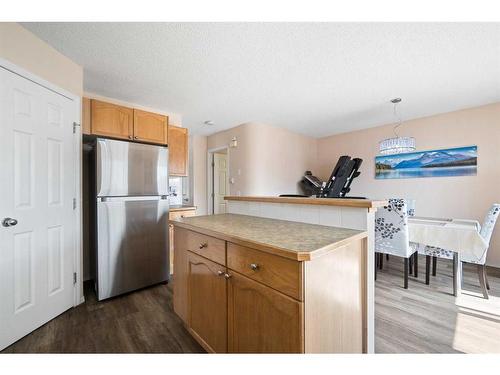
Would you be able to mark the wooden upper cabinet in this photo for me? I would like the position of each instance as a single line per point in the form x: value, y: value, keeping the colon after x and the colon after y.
x: 207, y: 303
x: 262, y: 320
x: 111, y: 120
x: 150, y: 127
x: 177, y: 151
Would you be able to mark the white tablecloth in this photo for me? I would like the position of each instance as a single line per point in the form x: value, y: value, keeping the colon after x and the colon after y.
x: 457, y: 235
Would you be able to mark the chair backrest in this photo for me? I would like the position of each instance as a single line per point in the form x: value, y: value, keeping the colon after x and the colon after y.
x: 489, y: 222
x: 391, y: 229
x: 410, y: 208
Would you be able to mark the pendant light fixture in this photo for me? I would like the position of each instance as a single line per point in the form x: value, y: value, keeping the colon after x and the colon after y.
x: 397, y: 144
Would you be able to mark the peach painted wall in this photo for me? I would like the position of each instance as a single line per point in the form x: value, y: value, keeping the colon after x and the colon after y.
x: 267, y: 160
x: 26, y: 50
x: 459, y: 197
x: 198, y: 172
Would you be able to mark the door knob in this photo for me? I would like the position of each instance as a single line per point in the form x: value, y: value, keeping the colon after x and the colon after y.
x: 9, y: 222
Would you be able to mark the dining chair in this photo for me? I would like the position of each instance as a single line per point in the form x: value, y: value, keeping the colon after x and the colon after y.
x: 410, y: 208
x: 391, y: 234
x: 431, y: 254
x: 486, y: 232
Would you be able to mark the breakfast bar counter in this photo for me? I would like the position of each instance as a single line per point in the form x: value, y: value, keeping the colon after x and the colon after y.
x: 247, y: 284
x: 339, y: 202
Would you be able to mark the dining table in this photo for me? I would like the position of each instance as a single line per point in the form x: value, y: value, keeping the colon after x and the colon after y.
x: 461, y: 236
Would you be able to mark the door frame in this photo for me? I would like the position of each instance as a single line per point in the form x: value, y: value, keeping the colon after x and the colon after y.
x: 78, y: 297
x: 210, y: 175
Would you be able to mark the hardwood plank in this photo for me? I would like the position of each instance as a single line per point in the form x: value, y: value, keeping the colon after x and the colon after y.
x: 138, y: 322
x: 428, y: 318
x: 421, y: 319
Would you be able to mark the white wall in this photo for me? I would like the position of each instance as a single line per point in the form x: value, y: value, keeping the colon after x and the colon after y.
x: 267, y: 160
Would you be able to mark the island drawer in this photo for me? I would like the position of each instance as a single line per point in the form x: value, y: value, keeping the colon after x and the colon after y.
x: 180, y: 214
x: 282, y: 274
x: 208, y: 247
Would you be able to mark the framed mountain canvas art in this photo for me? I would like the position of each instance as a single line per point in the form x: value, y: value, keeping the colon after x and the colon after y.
x: 460, y: 161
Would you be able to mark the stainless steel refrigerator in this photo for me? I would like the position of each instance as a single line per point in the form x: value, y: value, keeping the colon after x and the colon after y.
x: 131, y: 216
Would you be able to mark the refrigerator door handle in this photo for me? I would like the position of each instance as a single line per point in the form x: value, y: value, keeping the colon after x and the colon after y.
x: 131, y: 198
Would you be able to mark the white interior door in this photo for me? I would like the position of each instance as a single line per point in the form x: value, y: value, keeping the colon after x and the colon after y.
x: 37, y: 187
x: 221, y: 183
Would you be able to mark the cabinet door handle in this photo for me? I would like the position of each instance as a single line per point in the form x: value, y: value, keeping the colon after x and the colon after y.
x: 220, y: 273
x: 254, y: 266
x: 202, y: 245
x: 136, y: 137
x: 129, y: 137
x: 227, y: 275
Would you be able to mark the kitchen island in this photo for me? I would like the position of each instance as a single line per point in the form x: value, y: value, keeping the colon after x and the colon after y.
x: 247, y: 284
x: 336, y: 212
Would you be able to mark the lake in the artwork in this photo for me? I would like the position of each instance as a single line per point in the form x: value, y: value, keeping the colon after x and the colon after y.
x: 461, y: 161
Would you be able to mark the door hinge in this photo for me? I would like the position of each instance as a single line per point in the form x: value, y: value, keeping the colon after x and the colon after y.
x: 213, y: 164
x: 75, y: 124
x: 74, y: 277
x: 74, y: 203
x: 213, y: 195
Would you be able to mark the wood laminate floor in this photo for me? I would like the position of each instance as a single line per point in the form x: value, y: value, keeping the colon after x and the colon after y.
x: 428, y: 318
x: 421, y: 319
x: 138, y: 322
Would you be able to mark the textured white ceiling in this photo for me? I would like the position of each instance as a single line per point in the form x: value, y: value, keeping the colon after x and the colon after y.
x: 314, y: 78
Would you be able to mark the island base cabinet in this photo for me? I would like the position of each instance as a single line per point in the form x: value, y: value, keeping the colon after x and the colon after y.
x: 207, y: 303
x: 180, y: 277
x: 262, y: 320
x: 229, y: 312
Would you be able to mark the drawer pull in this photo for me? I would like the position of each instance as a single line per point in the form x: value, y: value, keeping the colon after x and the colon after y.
x: 202, y: 245
x: 220, y: 273
x: 254, y: 266
x: 227, y: 275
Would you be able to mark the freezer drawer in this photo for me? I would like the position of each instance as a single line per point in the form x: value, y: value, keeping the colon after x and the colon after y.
x: 132, y: 244
x: 128, y: 169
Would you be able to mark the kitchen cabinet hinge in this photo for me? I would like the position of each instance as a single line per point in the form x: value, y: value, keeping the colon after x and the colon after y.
x: 74, y: 277
x: 75, y: 124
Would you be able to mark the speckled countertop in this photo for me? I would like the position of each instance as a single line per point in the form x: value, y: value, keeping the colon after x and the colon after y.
x: 290, y: 239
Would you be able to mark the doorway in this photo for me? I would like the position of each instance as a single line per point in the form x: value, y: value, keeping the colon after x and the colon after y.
x: 218, y: 180
x: 40, y: 188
